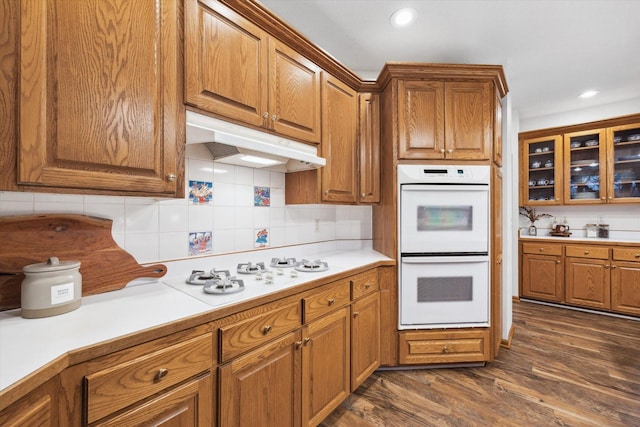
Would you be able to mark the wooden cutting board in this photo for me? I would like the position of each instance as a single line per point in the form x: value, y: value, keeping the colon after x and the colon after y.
x: 30, y: 239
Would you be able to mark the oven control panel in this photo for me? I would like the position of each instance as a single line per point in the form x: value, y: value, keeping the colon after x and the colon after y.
x: 467, y: 174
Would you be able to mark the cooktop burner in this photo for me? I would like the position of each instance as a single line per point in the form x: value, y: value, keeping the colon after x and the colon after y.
x: 283, y: 262
x: 251, y: 268
x: 226, y: 285
x: 313, y: 266
x: 200, y: 277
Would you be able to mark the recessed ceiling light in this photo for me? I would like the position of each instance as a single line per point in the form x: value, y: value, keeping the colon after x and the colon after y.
x: 588, y: 94
x: 403, y: 17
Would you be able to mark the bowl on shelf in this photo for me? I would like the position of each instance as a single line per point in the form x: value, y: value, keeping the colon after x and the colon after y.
x: 591, y: 143
x: 585, y: 195
x: 634, y: 137
x: 576, y: 144
x: 536, y: 164
x: 548, y: 164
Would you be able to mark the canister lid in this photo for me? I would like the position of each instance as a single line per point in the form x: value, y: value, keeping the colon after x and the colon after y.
x: 52, y: 264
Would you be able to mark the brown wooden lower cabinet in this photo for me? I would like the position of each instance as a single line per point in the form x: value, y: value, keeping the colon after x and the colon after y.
x: 445, y: 346
x: 262, y: 388
x: 190, y: 404
x: 597, y: 276
x: 365, y: 338
x: 325, y: 366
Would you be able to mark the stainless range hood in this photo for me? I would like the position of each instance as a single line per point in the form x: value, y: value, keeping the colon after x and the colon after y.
x: 238, y: 145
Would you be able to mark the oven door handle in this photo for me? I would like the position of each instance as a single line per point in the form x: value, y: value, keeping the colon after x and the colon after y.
x: 445, y: 259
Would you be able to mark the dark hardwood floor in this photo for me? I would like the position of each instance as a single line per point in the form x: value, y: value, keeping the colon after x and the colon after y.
x: 564, y: 368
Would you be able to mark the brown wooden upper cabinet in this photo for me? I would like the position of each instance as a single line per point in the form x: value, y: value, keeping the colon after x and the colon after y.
x: 369, y: 147
x: 445, y: 120
x: 236, y: 70
x: 98, y: 101
x: 541, y: 171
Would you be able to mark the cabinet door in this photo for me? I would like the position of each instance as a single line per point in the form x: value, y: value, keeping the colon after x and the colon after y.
x: 420, y: 120
x: 188, y: 405
x: 623, y: 175
x: 468, y: 124
x: 225, y: 63
x: 541, y: 171
x: 325, y: 366
x: 497, y: 129
x: 585, y: 167
x: 369, y: 147
x: 294, y: 93
x: 542, y: 277
x: 98, y: 98
x: 339, y: 141
x: 262, y: 388
x: 588, y: 282
x: 625, y: 287
x: 35, y: 409
x: 365, y: 338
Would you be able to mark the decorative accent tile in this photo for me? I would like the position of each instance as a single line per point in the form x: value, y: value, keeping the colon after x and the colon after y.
x: 200, y: 242
x: 261, y: 196
x: 262, y: 237
x: 200, y: 192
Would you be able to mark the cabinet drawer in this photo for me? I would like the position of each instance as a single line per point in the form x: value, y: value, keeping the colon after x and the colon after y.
x: 593, y: 252
x: 626, y: 254
x: 542, y: 248
x: 444, y: 346
x: 327, y: 300
x: 364, y: 284
x: 112, y: 389
x: 242, y: 336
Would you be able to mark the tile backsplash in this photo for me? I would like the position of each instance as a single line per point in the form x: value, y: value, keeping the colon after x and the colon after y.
x: 622, y: 219
x: 155, y: 230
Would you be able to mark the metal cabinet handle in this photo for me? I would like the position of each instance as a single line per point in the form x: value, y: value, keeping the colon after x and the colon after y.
x: 442, y: 150
x: 266, y: 329
x: 558, y: 262
x: 171, y: 177
x: 586, y: 252
x: 367, y: 286
x: 162, y: 372
x: 603, y: 198
x: 273, y: 118
x: 266, y: 115
x: 614, y: 266
x: 307, y: 340
x: 298, y: 345
x: 331, y: 301
x: 637, y: 255
x: 606, y: 266
x: 541, y: 249
x: 356, y: 314
x: 450, y: 150
x: 363, y: 195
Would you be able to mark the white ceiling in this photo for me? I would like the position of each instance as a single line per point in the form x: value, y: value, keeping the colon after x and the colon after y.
x: 551, y: 50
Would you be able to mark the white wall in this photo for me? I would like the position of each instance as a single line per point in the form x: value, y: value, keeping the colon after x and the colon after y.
x: 158, y: 230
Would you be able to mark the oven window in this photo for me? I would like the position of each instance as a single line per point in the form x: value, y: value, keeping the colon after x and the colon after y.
x: 445, y: 218
x: 441, y: 289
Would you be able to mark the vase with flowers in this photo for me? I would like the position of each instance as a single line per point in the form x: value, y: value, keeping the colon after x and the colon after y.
x: 532, y: 216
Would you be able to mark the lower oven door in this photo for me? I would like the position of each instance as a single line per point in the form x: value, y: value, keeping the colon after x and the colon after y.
x: 448, y: 291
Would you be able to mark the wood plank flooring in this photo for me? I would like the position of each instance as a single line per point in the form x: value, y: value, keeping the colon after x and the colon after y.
x: 564, y: 368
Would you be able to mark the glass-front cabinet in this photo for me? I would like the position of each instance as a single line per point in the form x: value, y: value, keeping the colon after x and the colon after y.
x: 542, y: 171
x: 624, y: 160
x: 585, y: 167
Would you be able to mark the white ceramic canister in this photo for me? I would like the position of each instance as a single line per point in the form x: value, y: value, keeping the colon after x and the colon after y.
x: 51, y: 288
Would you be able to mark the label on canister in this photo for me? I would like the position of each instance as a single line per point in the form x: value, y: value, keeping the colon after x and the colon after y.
x: 62, y: 293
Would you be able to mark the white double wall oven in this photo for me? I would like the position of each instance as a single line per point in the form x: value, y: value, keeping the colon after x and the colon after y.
x: 443, y: 231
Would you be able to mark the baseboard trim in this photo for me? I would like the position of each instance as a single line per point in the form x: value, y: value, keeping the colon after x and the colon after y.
x: 507, y: 343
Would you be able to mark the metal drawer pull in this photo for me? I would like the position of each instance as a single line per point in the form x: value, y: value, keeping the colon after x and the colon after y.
x: 298, y: 345
x: 614, y: 266
x: 446, y: 349
x: 637, y: 255
x: 331, y: 301
x: 307, y: 340
x: 162, y: 372
x: 586, y: 252
x: 367, y: 286
x: 266, y: 329
x: 541, y: 249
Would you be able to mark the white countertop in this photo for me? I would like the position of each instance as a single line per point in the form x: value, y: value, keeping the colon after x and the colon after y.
x: 29, y: 344
x: 581, y: 239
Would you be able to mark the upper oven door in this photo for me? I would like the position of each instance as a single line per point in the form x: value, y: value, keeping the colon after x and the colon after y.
x: 444, y: 218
